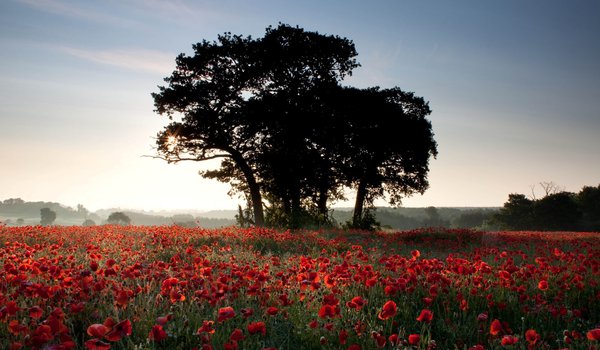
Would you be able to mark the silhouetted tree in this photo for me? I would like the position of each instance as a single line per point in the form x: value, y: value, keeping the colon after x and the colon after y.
x: 517, y: 213
x: 557, y: 211
x: 588, y: 200
x: 118, y: 218
x: 210, y: 91
x: 47, y: 216
x: 388, y: 143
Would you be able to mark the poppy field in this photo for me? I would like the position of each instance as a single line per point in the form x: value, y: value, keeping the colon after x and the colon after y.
x: 128, y: 287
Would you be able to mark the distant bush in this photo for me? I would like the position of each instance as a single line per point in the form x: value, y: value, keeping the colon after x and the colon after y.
x: 89, y: 222
x: 47, y: 216
x: 118, y: 218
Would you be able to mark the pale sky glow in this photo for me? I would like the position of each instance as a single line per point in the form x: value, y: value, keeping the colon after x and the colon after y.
x: 514, y: 87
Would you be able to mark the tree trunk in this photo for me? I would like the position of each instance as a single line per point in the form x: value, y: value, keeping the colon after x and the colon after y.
x: 361, y: 194
x: 253, y: 187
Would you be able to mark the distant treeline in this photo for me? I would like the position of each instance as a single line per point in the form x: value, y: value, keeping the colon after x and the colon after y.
x: 16, y: 211
x: 412, y: 218
x: 556, y: 211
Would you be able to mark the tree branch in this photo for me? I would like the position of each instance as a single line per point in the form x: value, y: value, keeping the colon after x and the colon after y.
x: 179, y: 159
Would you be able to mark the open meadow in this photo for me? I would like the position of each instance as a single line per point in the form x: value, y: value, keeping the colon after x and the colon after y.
x: 133, y: 287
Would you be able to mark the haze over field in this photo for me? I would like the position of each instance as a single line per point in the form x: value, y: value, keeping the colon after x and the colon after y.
x: 513, y: 86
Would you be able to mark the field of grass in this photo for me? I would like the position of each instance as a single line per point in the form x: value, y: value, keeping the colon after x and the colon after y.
x: 113, y: 287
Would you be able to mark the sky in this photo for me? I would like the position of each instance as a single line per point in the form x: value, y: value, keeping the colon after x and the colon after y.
x: 514, y: 87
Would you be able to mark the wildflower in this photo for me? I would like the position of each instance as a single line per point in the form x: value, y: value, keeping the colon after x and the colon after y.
x: 247, y: 312
x: 393, y: 339
x: 531, y: 336
x: 425, y: 316
x: 543, y: 285
x: 157, y: 333
x: 225, y: 313
x: 495, y: 327
x: 594, y: 334
x: 509, y: 340
x: 413, y: 339
x: 97, y: 330
x: 207, y: 327
x: 162, y: 320
x: 389, y: 310
x: 237, y: 335
x: 119, y: 330
x: 328, y: 311
x: 35, y: 312
x: 343, y: 336
x: 257, y: 327
x: 356, y: 303
x: 96, y: 344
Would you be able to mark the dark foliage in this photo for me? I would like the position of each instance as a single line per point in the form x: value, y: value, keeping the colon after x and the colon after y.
x: 47, y: 216
x: 118, y: 218
x: 561, y: 211
x: 289, y: 136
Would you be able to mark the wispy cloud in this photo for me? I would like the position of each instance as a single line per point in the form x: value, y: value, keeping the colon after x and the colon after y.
x: 75, y: 10
x: 131, y: 59
x: 180, y: 10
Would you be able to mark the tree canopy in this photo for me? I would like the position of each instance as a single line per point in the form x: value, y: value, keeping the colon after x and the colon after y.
x: 118, y: 218
x: 556, y: 211
x: 47, y: 216
x: 289, y: 136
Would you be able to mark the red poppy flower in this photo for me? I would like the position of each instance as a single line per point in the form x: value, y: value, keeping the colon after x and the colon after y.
x: 231, y: 345
x: 175, y: 295
x: 225, y: 313
x: 96, y: 344
x: 425, y: 316
x: 207, y: 327
x: 15, y: 327
x: 97, y: 330
x: 247, y: 312
x: 35, y: 312
x: 42, y: 335
x: 343, y: 336
x: 379, y: 339
x: 157, y: 333
x: 509, y: 340
x: 531, y: 336
x: 328, y: 311
x: 162, y: 320
x: 413, y: 339
x: 543, y: 285
x: 594, y: 334
x: 119, y: 331
x: 393, y: 339
x: 496, y: 327
x: 356, y: 303
x: 257, y: 327
x: 389, y: 310
x: 236, y: 335
x: 272, y: 311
